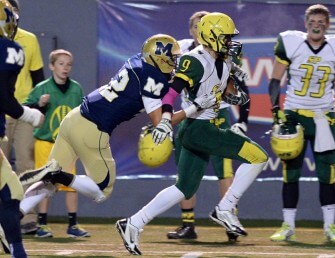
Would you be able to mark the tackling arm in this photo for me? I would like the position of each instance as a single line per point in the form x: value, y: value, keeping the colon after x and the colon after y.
x: 10, y: 106
x: 8, y: 103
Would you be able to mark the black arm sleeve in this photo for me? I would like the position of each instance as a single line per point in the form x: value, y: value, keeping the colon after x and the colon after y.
x: 36, y: 106
x: 8, y: 103
x: 179, y: 84
x: 37, y: 76
x: 274, y: 92
x: 244, y: 109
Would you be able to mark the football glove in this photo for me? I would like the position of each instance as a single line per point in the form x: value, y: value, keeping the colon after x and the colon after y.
x: 239, y: 99
x: 239, y: 73
x: 205, y: 101
x: 239, y: 128
x: 162, y: 130
x: 278, y: 115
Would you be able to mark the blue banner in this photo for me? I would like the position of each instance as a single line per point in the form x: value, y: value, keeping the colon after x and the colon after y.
x: 124, y: 26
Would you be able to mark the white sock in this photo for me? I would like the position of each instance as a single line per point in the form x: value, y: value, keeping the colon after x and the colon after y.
x: 245, y: 175
x: 328, y: 212
x: 163, y: 201
x: 86, y: 186
x: 35, y: 194
x: 289, y: 216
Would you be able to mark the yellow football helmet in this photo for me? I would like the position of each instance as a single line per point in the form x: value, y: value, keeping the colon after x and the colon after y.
x: 149, y: 153
x: 215, y: 31
x: 161, y: 51
x: 8, y: 20
x: 287, y: 140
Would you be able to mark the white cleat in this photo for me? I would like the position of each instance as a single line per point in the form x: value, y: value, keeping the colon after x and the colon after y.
x: 41, y: 174
x: 130, y: 235
x: 228, y: 220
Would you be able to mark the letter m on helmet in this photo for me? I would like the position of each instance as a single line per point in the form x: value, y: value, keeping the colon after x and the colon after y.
x: 161, y: 49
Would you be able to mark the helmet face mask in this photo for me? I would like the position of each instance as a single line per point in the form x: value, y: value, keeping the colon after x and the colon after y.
x: 215, y: 30
x: 8, y: 20
x: 287, y: 140
x: 161, y: 51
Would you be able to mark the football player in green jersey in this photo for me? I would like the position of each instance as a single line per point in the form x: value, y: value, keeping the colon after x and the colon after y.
x: 222, y: 167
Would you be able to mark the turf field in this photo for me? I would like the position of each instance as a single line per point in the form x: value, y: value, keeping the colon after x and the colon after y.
x: 211, y: 242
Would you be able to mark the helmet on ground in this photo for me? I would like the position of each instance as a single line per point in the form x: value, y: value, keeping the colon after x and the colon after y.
x: 287, y: 140
x: 149, y: 153
x: 161, y: 51
x: 8, y: 20
x: 215, y: 31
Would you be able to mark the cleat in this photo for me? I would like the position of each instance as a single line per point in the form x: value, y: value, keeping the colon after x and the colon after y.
x: 285, y: 233
x: 330, y: 233
x: 229, y: 221
x: 232, y: 237
x: 29, y: 228
x: 3, y: 241
x: 76, y: 231
x: 42, y: 174
x: 186, y: 231
x: 130, y: 235
x: 43, y: 232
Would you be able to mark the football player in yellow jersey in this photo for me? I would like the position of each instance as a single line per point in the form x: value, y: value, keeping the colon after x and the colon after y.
x: 310, y: 61
x: 20, y: 134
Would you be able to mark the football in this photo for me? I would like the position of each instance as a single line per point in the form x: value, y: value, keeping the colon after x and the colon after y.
x: 230, y: 89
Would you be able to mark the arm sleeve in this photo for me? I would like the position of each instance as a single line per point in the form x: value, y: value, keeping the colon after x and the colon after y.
x: 175, y: 89
x: 274, y: 92
x: 8, y: 103
x: 37, y: 76
x: 244, y: 109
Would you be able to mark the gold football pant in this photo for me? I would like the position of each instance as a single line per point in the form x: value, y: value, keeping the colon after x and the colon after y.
x: 10, y: 186
x: 42, y: 151
x: 80, y: 138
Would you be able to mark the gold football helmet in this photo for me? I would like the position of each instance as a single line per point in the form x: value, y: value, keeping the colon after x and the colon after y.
x: 215, y: 31
x: 287, y: 140
x: 8, y: 20
x: 161, y: 51
x: 149, y: 153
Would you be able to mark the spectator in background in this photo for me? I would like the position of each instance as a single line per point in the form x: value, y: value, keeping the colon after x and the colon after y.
x: 55, y: 97
x: 11, y: 191
x: 310, y: 61
x: 222, y: 167
x: 19, y: 133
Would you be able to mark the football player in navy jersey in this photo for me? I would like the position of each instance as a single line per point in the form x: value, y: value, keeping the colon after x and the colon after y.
x: 84, y: 133
x: 11, y: 191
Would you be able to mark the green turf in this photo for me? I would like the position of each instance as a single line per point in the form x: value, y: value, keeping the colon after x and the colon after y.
x: 211, y: 242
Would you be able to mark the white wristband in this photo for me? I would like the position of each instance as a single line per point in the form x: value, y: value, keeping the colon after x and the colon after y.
x: 31, y: 115
x: 189, y: 111
x: 167, y: 115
